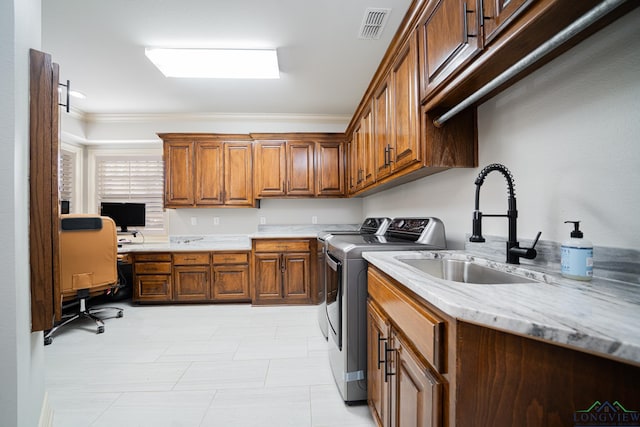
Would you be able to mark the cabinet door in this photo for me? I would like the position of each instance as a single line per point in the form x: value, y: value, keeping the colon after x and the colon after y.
x: 449, y: 38
x: 267, y: 277
x: 352, y: 167
x: 296, y: 278
x: 152, y: 288
x: 209, y: 173
x: 405, y: 145
x: 270, y: 168
x: 179, y: 174
x: 300, y: 168
x: 416, y: 392
x: 230, y: 282
x: 330, y: 169
x: 498, y: 13
x: 238, y: 174
x: 191, y: 283
x: 365, y: 153
x: 382, y: 130
x: 377, y: 381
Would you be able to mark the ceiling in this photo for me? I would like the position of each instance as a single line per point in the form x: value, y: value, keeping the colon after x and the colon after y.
x: 325, y: 67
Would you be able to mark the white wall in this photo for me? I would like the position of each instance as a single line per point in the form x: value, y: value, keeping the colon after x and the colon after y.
x: 569, y: 133
x: 106, y: 128
x: 21, y: 352
x: 274, y: 211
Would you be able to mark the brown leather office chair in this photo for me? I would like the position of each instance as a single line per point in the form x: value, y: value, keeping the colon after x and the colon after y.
x: 88, y: 250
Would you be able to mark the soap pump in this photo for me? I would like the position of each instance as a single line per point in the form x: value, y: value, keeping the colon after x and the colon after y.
x: 577, y: 255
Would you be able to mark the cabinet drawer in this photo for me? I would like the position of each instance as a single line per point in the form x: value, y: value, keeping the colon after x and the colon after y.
x: 230, y: 258
x: 191, y: 259
x: 281, y: 245
x: 153, y: 268
x: 152, y: 257
x: 423, y: 328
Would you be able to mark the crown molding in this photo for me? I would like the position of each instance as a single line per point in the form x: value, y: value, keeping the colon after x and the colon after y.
x: 208, y: 117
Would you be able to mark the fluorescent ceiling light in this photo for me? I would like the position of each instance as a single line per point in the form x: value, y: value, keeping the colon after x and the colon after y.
x: 215, y: 63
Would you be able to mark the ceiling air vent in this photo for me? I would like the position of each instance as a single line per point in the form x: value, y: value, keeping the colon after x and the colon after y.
x: 373, y: 23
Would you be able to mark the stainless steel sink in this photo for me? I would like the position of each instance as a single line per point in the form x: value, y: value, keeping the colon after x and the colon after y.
x: 464, y: 271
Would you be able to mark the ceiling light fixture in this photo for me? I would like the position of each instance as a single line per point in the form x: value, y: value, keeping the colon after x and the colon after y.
x: 216, y: 63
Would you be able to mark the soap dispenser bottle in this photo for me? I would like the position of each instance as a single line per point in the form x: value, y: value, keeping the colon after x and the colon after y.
x: 577, y: 255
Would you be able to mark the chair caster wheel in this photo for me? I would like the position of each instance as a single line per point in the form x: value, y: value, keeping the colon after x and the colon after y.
x: 120, y: 314
x: 48, y: 340
x: 100, y: 329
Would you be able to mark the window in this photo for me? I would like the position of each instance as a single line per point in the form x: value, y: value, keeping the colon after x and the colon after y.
x: 66, y: 181
x: 137, y: 179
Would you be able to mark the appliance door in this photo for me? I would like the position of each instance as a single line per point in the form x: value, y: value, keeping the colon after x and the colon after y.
x: 322, y: 307
x: 333, y: 293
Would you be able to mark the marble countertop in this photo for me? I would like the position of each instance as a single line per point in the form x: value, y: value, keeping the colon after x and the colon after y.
x: 231, y: 242
x: 223, y: 242
x: 601, y: 316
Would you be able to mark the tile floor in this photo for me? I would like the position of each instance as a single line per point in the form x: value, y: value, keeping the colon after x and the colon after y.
x: 200, y: 366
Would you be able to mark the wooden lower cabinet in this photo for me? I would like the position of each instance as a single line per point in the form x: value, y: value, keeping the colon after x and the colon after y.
x: 459, y: 374
x: 192, y: 277
x: 282, y: 271
x: 415, y: 391
x: 378, y: 387
x: 230, y: 277
x: 403, y: 389
x: 152, y: 277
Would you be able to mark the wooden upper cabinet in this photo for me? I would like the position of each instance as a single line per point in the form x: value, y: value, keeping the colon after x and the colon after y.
x: 206, y: 170
x: 498, y: 13
x: 449, y: 38
x: 405, y: 136
x: 363, y: 154
x: 330, y: 168
x: 270, y: 168
x: 209, y: 159
x: 238, y: 176
x: 299, y: 165
x: 300, y: 168
x: 179, y: 174
x: 382, y: 128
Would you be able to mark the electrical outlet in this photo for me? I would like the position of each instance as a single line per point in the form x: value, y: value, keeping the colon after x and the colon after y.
x: 194, y: 220
x: 314, y: 219
x: 263, y: 220
x: 216, y: 220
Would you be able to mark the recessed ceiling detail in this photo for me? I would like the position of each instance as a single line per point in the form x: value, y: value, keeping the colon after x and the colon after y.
x: 373, y: 23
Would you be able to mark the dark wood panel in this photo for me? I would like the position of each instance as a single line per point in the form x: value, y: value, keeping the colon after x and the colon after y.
x: 529, y: 383
x: 43, y: 191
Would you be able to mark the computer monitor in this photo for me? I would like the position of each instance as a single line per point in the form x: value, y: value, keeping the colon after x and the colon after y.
x: 124, y: 214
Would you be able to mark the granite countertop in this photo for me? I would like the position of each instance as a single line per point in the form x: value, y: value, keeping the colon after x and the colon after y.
x: 601, y: 316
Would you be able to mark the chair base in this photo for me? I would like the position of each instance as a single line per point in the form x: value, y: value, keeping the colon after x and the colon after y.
x: 84, y: 313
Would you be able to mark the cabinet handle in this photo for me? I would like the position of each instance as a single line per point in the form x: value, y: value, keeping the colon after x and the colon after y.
x: 390, y: 148
x: 380, y: 339
x: 466, y: 23
x: 387, y: 350
x: 484, y: 18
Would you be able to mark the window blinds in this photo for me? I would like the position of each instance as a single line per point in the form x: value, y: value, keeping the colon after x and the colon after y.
x: 66, y: 174
x: 138, y: 180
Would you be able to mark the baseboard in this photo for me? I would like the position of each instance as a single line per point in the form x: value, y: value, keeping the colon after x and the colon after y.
x: 46, y: 413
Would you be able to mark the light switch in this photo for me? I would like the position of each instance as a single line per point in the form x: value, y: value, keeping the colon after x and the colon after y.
x: 263, y: 220
x: 194, y: 220
x: 216, y: 220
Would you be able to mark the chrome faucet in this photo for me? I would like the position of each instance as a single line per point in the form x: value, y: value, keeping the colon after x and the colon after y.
x: 514, y: 251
